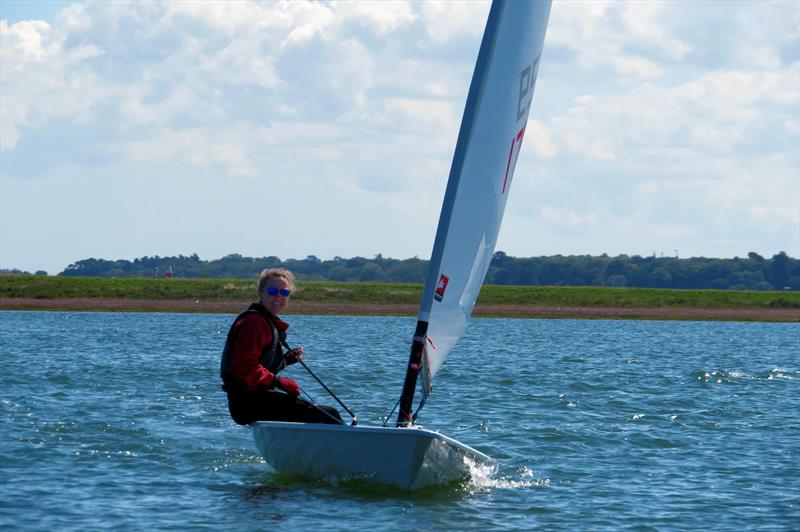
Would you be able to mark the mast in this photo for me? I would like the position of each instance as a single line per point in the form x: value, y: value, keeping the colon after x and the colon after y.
x: 405, y: 416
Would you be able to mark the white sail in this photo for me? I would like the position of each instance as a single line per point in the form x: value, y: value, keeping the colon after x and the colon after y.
x: 492, y: 131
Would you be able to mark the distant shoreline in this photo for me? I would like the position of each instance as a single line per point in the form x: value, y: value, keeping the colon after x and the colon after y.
x: 375, y: 309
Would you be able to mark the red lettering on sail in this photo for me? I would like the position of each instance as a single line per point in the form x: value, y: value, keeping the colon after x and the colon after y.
x: 516, y: 142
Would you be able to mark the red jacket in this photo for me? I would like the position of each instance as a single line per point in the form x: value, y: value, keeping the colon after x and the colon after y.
x: 250, y: 336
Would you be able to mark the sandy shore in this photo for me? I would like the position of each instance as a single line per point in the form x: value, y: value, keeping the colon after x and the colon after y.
x: 364, y: 309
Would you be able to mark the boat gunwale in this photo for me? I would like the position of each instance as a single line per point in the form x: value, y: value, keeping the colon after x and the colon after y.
x: 414, y: 431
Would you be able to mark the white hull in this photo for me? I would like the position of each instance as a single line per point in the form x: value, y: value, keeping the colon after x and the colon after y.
x: 408, y: 458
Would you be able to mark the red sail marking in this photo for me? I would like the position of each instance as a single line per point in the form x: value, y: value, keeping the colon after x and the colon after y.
x: 518, y: 140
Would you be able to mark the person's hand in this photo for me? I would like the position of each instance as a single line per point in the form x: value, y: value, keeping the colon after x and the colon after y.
x: 288, y: 385
x: 293, y: 356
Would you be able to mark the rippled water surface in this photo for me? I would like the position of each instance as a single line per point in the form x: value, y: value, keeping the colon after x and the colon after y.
x: 117, y: 421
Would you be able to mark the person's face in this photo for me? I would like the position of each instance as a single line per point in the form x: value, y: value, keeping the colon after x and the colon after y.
x: 275, y: 295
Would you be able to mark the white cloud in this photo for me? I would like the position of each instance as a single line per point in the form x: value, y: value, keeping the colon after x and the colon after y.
x: 41, y: 80
x: 380, y: 17
x: 423, y: 115
x: 27, y: 41
x: 637, y: 67
x: 615, y: 36
x: 308, y: 20
x: 765, y: 44
x: 227, y: 149
x: 646, y: 40
x: 646, y: 126
x: 540, y: 140
x: 718, y: 112
x: 566, y: 218
x: 447, y: 21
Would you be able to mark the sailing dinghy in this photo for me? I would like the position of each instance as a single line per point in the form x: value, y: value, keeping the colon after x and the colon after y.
x: 489, y: 141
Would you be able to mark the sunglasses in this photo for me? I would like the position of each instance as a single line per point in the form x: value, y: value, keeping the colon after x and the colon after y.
x: 284, y: 292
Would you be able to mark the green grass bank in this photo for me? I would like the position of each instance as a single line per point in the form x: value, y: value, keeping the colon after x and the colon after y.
x: 225, y: 295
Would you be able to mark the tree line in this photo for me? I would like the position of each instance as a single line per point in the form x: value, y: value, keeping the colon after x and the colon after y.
x: 751, y: 273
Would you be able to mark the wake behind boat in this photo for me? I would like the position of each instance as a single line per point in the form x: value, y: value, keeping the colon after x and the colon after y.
x: 489, y: 141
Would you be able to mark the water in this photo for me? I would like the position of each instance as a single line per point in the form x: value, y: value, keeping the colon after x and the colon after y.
x: 117, y: 421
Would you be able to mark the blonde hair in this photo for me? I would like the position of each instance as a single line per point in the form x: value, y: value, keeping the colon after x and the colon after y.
x: 275, y: 273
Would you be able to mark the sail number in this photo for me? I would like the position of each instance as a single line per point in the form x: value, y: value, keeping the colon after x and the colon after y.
x: 527, y: 81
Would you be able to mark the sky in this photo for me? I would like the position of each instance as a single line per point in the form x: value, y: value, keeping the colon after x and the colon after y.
x: 131, y: 129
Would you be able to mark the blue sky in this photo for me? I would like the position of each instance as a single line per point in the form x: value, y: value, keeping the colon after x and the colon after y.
x: 293, y: 128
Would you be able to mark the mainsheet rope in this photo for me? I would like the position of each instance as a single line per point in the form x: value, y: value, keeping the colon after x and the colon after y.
x: 350, y: 412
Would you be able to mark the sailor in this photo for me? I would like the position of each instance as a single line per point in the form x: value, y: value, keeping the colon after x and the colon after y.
x: 254, y: 355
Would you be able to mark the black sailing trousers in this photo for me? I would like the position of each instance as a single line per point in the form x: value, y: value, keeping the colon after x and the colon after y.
x: 269, y: 405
